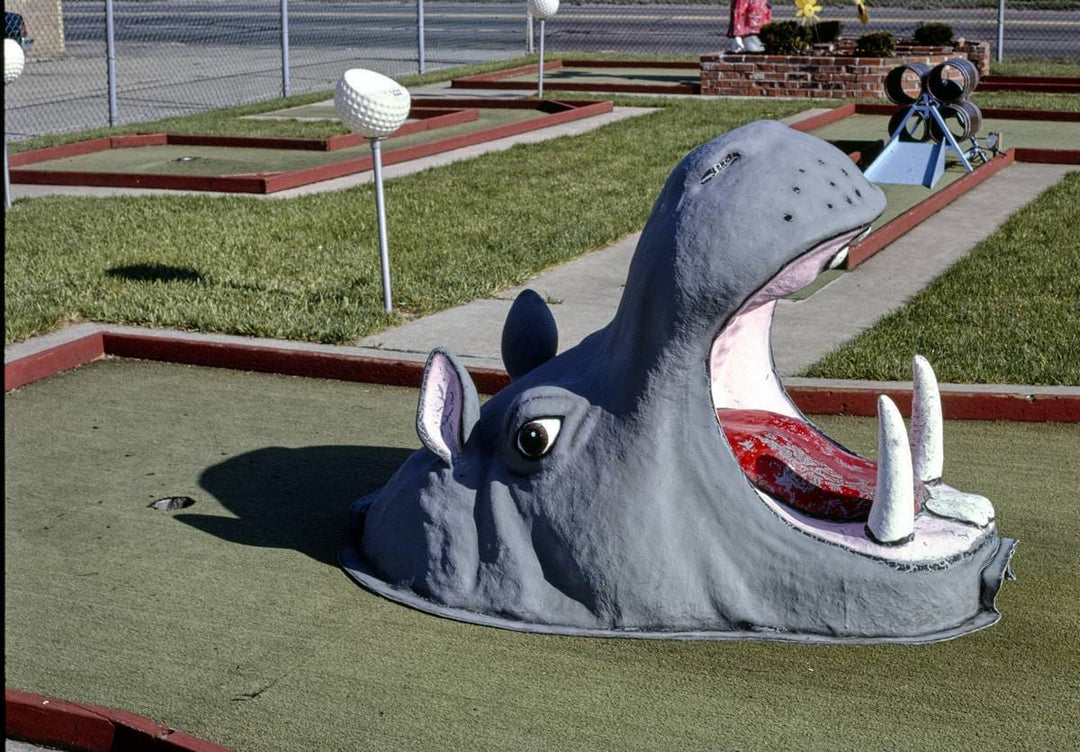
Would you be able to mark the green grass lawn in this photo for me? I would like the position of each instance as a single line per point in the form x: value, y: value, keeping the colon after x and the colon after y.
x: 307, y: 268
x: 231, y: 620
x: 1009, y: 311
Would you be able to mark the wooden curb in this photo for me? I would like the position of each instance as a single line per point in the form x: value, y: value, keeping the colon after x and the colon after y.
x: 91, y: 728
x: 462, y: 110
x: 959, y: 402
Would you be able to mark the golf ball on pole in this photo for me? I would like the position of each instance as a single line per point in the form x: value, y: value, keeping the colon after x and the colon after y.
x: 14, y: 60
x: 543, y: 9
x: 371, y: 104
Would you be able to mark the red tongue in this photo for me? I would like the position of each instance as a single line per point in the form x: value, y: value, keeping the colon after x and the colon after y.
x: 792, y: 462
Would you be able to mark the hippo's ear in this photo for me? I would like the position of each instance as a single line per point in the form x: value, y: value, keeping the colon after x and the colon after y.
x: 530, y: 336
x: 449, y: 407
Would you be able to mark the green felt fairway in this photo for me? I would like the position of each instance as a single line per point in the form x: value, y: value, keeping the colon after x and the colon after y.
x: 220, y: 160
x: 230, y: 620
x: 628, y: 75
x: 1035, y: 134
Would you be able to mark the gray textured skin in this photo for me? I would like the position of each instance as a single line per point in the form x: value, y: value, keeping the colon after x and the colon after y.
x: 639, y: 522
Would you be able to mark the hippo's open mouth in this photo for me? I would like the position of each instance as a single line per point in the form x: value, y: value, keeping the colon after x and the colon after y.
x: 897, y: 508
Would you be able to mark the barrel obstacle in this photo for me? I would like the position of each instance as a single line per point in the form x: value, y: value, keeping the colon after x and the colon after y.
x: 934, y: 116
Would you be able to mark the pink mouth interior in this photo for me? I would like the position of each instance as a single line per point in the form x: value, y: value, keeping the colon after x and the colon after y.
x: 780, y: 452
x: 795, y: 464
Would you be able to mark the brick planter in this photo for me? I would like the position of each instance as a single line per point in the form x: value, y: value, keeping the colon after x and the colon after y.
x: 835, y: 73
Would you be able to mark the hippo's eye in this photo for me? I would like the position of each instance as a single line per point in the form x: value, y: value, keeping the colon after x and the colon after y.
x: 535, y: 438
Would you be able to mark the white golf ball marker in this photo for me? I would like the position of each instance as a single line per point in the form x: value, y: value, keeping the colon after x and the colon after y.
x: 543, y: 9
x: 14, y: 60
x: 371, y: 104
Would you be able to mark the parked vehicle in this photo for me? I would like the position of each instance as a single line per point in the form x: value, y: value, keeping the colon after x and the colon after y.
x: 15, y: 28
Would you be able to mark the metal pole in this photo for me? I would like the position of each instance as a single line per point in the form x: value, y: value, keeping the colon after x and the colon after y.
x: 380, y: 210
x: 540, y: 92
x: 7, y: 177
x: 420, y: 34
x: 530, y: 35
x: 1000, y: 29
x: 110, y: 60
x: 285, y: 48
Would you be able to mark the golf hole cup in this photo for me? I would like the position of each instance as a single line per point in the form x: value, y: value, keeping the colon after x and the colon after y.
x: 374, y: 106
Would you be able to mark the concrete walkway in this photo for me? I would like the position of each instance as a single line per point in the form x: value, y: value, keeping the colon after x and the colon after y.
x: 584, y: 293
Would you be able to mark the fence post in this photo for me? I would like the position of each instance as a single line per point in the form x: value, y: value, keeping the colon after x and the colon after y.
x: 529, y: 43
x: 1000, y: 29
x: 420, y: 35
x: 110, y: 60
x: 285, y: 88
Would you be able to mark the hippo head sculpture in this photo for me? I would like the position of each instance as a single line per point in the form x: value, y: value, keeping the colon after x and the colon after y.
x: 656, y: 480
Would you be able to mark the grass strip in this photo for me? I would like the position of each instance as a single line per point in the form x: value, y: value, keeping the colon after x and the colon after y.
x: 307, y: 268
x: 1008, y: 312
x: 231, y: 620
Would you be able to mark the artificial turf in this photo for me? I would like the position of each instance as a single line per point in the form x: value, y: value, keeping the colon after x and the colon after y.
x: 233, y: 160
x: 230, y: 619
x: 1007, y: 312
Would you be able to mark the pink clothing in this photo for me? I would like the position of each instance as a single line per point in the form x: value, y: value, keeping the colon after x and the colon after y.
x: 748, y: 16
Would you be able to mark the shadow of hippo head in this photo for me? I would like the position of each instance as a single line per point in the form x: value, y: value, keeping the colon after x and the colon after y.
x: 656, y: 480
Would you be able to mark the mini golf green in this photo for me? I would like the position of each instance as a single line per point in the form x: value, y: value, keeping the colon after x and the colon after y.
x: 228, y: 160
x: 230, y: 620
x: 608, y: 75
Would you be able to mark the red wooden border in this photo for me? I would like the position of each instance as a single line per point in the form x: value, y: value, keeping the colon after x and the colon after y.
x: 825, y: 118
x: 558, y: 112
x: 425, y: 120
x: 52, y: 361
x: 917, y: 214
x: 1048, y: 156
x: 958, y: 404
x: 521, y: 70
x: 1046, y: 87
x: 497, y: 79
x: 663, y: 64
x: 91, y: 728
x: 1002, y: 113
x: 572, y: 111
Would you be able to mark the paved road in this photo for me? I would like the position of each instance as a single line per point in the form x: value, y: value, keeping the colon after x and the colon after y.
x: 626, y: 28
x: 176, y: 57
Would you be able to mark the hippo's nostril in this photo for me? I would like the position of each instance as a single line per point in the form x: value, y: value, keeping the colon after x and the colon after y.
x: 787, y: 217
x: 829, y: 205
x: 832, y: 184
x: 801, y: 170
x: 858, y: 193
x: 797, y: 189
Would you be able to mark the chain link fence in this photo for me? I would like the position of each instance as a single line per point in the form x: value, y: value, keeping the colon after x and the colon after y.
x: 175, y: 57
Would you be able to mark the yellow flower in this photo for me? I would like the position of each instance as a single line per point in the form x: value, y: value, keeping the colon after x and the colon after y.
x: 807, y: 10
x: 861, y: 12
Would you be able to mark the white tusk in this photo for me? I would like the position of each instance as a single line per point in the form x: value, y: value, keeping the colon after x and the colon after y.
x: 839, y: 258
x: 927, y: 442
x: 892, y: 516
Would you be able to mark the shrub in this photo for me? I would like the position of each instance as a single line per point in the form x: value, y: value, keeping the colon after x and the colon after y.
x: 876, y: 44
x: 934, y: 34
x: 824, y: 32
x: 784, y: 38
